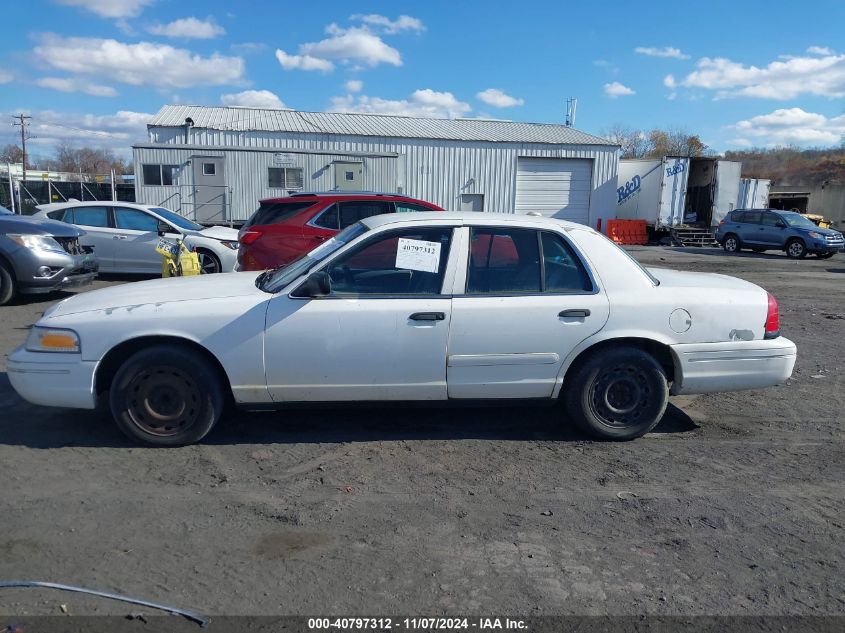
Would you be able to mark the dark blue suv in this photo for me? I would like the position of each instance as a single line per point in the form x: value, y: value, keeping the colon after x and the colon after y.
x: 771, y: 229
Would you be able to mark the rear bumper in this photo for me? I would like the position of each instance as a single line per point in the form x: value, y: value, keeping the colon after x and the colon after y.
x: 732, y: 365
x: 52, y: 380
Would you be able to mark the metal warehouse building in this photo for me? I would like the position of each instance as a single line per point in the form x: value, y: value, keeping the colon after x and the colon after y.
x: 215, y: 163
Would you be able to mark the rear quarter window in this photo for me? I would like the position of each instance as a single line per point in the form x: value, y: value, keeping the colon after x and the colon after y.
x: 275, y: 212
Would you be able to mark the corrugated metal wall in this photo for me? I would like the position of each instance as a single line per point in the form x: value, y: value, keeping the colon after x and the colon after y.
x: 434, y: 170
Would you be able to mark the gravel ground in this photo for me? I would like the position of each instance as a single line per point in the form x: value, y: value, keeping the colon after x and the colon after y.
x: 734, y: 505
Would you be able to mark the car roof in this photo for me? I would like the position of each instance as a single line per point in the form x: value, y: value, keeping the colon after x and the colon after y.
x: 470, y: 217
x: 93, y: 203
x: 331, y: 195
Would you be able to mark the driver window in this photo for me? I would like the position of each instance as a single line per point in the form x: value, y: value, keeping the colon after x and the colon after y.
x: 135, y: 220
x: 406, y: 262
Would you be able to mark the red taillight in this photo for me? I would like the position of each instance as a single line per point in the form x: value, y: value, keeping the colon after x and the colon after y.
x: 248, y: 237
x: 772, y: 318
x: 722, y: 221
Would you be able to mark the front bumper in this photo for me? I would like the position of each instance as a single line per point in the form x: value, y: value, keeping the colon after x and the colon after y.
x: 52, y: 380
x: 69, y: 271
x: 732, y: 365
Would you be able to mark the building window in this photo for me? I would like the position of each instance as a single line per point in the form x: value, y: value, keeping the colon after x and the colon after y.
x: 158, y: 175
x: 209, y: 169
x: 284, y: 177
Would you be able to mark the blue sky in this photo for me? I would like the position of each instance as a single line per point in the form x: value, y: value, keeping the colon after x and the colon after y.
x: 739, y: 74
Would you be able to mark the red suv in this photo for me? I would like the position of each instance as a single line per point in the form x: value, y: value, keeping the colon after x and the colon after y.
x: 285, y: 228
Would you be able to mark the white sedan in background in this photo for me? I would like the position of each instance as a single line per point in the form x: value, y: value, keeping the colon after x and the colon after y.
x: 124, y: 235
x: 411, y: 307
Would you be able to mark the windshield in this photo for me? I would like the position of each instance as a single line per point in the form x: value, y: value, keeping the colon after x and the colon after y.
x: 176, y: 219
x: 796, y: 219
x: 277, y: 278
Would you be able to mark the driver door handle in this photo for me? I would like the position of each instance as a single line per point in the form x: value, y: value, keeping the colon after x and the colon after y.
x: 582, y: 313
x: 121, y: 237
x: 427, y: 316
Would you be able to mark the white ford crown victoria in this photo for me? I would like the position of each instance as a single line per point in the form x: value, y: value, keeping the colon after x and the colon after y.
x: 410, y: 307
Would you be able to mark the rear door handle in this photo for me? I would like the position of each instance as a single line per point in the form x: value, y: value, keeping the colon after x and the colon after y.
x: 427, y: 316
x: 583, y: 313
x: 121, y: 237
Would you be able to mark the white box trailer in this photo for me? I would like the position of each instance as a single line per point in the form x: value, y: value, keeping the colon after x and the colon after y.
x: 676, y: 191
x: 653, y: 190
x: 753, y: 193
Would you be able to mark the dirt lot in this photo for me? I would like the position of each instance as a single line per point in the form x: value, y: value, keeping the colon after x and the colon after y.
x: 734, y: 505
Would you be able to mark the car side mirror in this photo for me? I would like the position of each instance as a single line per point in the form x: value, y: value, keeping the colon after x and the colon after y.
x: 317, y: 284
x: 163, y: 227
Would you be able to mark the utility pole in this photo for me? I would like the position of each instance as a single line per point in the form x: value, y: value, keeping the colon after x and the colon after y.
x: 22, y: 124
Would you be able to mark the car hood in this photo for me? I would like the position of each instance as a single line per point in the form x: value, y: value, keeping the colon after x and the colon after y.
x: 37, y: 226
x: 222, y: 233
x: 160, y: 292
x: 818, y: 229
x: 683, y: 279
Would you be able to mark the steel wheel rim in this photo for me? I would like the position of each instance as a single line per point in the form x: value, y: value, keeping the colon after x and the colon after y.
x: 208, y: 264
x: 796, y: 249
x: 163, y: 401
x: 620, y: 395
x: 730, y: 244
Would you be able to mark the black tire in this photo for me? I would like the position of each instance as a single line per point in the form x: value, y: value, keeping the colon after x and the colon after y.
x: 209, y: 263
x: 796, y: 249
x: 826, y: 255
x: 617, y: 394
x: 166, y: 396
x: 732, y: 243
x: 7, y: 284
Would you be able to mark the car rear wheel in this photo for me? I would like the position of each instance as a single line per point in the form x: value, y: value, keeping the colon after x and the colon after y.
x: 7, y: 284
x: 165, y: 396
x: 209, y: 264
x: 731, y: 243
x: 617, y: 394
x: 796, y: 249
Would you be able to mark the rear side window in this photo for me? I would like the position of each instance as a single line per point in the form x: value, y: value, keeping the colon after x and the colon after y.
x: 328, y: 219
x: 736, y: 216
x: 563, y: 272
x: 751, y: 217
x: 352, y: 212
x: 60, y: 215
x: 503, y: 261
x: 89, y: 216
x: 275, y: 212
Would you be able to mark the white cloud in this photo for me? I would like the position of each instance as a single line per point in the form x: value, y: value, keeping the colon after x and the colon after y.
x: 189, y: 28
x: 402, y: 23
x: 110, y: 8
x: 791, y: 126
x: 356, y: 45
x: 498, y: 99
x: 5, y: 76
x: 617, y: 89
x: 139, y: 64
x: 114, y: 131
x: 669, y: 82
x: 354, y: 85
x: 821, y: 76
x: 820, y: 50
x: 302, y: 62
x: 64, y: 84
x: 739, y: 142
x: 666, y: 51
x: 253, y: 99
x: 425, y: 103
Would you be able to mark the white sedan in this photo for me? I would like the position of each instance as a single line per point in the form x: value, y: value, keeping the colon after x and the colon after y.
x: 410, y: 307
x: 124, y: 235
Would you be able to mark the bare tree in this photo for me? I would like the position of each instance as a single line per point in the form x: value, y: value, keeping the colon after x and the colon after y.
x: 13, y: 154
x: 633, y: 142
x: 87, y: 161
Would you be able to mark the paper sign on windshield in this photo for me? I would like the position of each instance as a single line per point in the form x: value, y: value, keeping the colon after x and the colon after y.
x: 418, y: 255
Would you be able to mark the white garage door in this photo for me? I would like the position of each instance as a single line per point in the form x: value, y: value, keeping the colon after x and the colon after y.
x: 555, y: 187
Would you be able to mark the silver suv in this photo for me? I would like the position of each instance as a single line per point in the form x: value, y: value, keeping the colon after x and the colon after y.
x: 41, y: 256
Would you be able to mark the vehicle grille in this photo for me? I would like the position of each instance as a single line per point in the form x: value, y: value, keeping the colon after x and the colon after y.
x: 834, y: 239
x: 71, y: 245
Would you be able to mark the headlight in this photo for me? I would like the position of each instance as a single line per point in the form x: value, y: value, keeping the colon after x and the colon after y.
x: 232, y: 245
x: 815, y: 236
x: 37, y: 242
x: 44, y: 339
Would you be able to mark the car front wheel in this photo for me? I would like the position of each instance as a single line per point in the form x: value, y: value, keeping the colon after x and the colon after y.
x: 796, y: 249
x: 166, y: 396
x: 7, y: 285
x: 617, y: 394
x: 731, y: 243
x: 209, y: 264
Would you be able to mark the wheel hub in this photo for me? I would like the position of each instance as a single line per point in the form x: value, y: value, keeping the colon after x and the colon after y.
x: 620, y: 395
x: 163, y: 401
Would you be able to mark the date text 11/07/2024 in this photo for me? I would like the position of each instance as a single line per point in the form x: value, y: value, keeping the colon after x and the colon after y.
x: 416, y: 624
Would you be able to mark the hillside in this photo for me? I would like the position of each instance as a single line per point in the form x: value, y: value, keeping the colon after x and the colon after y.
x: 788, y: 166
